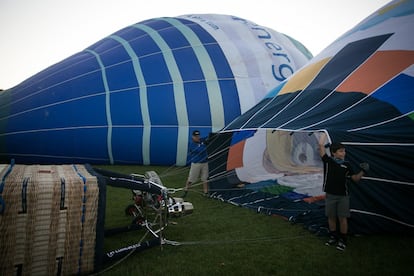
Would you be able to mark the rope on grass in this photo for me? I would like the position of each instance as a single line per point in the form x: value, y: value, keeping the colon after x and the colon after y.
x: 214, y: 242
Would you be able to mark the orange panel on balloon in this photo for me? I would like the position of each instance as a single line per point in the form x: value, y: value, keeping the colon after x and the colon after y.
x: 377, y: 70
x: 235, y: 157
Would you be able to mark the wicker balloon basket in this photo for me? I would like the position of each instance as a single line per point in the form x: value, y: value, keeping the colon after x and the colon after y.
x: 48, y: 221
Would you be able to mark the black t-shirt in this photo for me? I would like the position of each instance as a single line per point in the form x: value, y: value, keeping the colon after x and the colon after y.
x: 336, y: 176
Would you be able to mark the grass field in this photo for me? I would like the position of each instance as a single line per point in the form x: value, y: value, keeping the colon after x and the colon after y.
x: 221, y: 239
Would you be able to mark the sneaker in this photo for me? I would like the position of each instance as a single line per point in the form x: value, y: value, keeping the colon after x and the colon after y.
x: 332, y: 241
x: 341, y: 246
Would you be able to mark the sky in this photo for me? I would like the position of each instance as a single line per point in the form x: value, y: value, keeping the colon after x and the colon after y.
x: 35, y: 34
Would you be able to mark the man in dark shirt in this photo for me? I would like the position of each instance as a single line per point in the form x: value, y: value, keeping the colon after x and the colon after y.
x: 338, y: 174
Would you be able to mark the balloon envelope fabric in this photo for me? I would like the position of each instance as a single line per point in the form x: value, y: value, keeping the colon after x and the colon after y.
x: 136, y: 96
x: 359, y: 91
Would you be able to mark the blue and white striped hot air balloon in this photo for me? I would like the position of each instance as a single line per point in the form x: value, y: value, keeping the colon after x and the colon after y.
x: 135, y: 96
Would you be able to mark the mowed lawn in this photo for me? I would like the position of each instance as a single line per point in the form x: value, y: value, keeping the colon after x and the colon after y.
x: 219, y: 238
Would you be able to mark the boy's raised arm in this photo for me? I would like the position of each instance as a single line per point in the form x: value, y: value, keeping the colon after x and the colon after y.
x: 322, y: 142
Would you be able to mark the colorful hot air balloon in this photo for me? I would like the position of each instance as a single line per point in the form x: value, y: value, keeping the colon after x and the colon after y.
x: 360, y: 91
x: 136, y: 95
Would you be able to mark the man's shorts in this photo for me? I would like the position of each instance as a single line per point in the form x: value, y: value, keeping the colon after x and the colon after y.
x: 337, y: 206
x: 198, y: 171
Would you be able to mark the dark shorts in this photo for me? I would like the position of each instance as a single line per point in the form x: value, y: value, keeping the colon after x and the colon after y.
x: 337, y: 206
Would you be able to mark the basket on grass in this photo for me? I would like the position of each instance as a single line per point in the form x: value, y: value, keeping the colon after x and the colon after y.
x: 48, y: 219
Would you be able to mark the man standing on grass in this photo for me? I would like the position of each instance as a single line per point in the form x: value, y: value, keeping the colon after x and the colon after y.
x: 338, y: 174
x: 197, y: 151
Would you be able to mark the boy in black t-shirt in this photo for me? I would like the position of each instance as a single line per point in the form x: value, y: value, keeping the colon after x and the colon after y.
x: 338, y: 174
